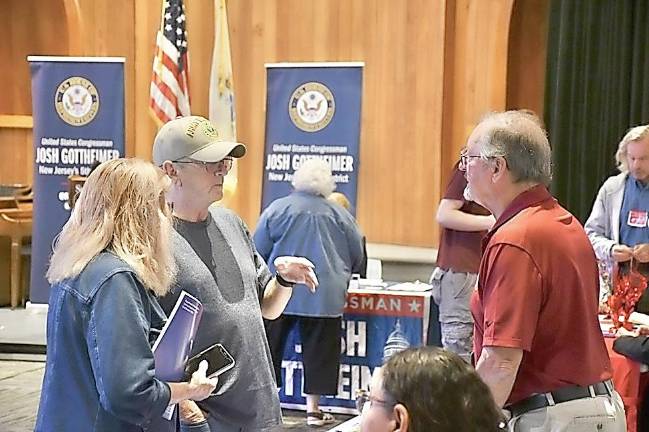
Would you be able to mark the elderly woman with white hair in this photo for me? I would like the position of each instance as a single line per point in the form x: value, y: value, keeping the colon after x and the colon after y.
x: 306, y: 224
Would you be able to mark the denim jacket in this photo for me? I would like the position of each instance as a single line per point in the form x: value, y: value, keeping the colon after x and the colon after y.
x: 100, y: 373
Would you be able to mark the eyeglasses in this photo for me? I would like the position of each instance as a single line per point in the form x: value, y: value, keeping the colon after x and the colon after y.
x: 224, y: 165
x: 466, y: 158
x: 365, y: 401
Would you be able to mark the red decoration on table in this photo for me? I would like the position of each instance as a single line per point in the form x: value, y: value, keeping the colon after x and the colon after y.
x: 627, y: 289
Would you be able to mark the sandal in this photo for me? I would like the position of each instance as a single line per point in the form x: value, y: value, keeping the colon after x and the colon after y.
x: 319, y: 418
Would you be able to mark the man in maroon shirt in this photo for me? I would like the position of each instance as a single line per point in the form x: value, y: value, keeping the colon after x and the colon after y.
x: 464, y: 224
x: 537, y: 339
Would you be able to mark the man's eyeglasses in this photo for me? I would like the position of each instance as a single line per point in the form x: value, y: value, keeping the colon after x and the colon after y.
x: 466, y: 158
x: 224, y: 164
x: 364, y: 399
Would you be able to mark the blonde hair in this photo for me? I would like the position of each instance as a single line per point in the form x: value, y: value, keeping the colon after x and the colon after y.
x: 340, y: 199
x: 634, y: 134
x: 121, y: 209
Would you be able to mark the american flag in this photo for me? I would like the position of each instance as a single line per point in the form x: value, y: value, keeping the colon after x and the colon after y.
x: 170, y: 80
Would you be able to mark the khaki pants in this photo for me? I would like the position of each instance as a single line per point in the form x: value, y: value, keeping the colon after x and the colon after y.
x: 596, y: 414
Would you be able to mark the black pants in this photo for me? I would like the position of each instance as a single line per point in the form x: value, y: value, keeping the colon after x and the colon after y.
x: 320, y: 350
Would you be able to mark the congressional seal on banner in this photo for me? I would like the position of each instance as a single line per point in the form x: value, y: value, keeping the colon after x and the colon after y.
x: 311, y: 107
x: 76, y: 101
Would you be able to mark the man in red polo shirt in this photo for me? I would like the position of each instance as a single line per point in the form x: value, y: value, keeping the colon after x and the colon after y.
x: 537, y: 339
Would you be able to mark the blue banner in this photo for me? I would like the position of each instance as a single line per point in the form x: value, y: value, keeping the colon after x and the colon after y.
x: 313, y: 110
x: 375, y: 325
x: 78, y: 110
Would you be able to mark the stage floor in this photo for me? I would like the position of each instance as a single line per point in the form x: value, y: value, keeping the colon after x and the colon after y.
x: 22, y: 334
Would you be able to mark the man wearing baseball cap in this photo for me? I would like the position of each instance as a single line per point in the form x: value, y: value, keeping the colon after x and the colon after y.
x: 218, y: 263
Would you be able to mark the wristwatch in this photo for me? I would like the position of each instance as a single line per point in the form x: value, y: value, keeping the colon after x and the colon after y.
x: 283, y: 282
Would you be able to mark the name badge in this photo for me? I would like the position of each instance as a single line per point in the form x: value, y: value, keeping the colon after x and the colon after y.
x: 637, y: 218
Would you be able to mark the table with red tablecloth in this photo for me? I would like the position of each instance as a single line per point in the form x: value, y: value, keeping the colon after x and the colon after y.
x: 628, y: 382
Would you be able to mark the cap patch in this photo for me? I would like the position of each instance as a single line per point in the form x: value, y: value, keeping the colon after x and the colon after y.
x: 210, y: 130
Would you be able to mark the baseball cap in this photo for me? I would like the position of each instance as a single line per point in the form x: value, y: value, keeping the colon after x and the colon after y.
x: 193, y: 137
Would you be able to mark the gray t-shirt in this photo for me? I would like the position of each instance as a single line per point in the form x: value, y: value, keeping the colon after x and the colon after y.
x: 217, y: 263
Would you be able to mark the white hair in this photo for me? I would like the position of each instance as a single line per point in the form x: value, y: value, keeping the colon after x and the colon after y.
x: 314, y: 176
x: 634, y: 134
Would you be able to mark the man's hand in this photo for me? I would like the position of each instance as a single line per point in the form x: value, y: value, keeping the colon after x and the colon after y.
x: 641, y: 252
x: 297, y: 270
x: 621, y: 253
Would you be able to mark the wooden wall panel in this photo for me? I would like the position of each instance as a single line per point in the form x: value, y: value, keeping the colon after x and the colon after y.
x: 16, y: 164
x: 108, y: 29
x: 527, y: 55
x: 25, y: 35
x: 478, y: 52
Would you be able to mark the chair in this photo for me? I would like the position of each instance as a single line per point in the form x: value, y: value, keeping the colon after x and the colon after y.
x: 8, y: 202
x: 15, y: 196
x: 17, y: 225
x: 10, y: 190
x: 75, y: 183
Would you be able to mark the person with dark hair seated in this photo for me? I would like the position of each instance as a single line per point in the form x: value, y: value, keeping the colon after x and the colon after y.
x: 428, y: 389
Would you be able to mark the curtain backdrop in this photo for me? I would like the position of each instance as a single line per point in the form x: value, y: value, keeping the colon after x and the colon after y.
x: 597, y: 87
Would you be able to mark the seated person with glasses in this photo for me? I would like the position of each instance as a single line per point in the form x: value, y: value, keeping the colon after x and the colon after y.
x: 425, y: 389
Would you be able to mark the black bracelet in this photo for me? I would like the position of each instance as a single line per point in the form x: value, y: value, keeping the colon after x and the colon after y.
x: 283, y: 282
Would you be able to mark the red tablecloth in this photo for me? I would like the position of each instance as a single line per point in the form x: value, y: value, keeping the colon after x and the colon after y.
x: 628, y: 382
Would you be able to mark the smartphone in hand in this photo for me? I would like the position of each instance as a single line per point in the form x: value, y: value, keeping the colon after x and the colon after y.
x: 218, y: 358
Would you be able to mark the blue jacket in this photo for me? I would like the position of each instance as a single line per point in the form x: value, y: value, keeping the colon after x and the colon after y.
x: 100, y: 372
x: 307, y: 225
